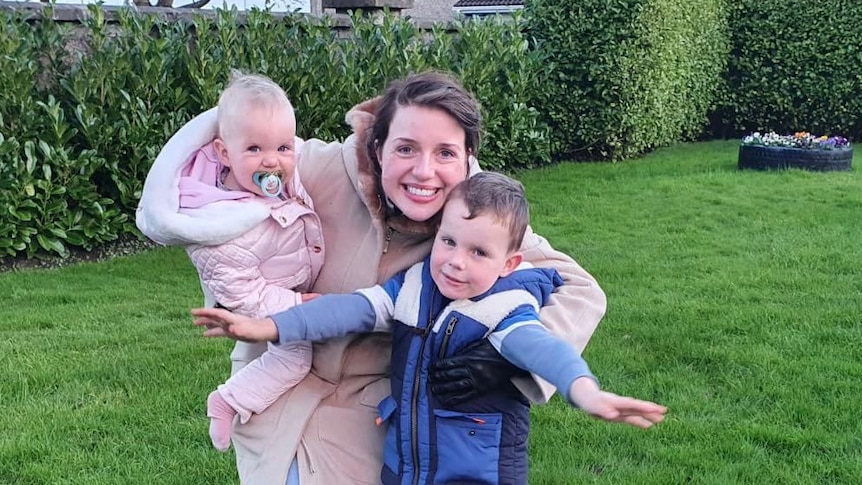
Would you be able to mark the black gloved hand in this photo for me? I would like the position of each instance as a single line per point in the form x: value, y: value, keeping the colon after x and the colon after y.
x: 475, y: 371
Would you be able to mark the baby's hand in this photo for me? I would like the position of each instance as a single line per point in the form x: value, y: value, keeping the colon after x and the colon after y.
x: 222, y: 323
x: 585, y: 393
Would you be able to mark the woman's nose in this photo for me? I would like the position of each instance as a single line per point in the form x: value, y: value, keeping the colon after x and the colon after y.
x: 423, y: 168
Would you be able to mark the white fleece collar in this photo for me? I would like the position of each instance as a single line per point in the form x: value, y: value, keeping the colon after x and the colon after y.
x: 159, y: 215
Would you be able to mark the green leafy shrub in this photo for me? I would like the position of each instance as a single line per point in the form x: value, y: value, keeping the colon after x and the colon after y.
x: 126, y: 94
x: 626, y: 76
x: 77, y: 145
x: 28, y: 53
x: 516, y: 136
x: 47, y: 195
x: 794, y: 65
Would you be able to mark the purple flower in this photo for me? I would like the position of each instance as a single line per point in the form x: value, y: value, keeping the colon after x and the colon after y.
x: 801, y: 139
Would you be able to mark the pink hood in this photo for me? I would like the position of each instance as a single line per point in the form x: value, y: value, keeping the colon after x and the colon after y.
x: 199, y: 179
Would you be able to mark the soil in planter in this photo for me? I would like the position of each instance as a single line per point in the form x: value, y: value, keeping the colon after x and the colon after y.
x: 757, y: 157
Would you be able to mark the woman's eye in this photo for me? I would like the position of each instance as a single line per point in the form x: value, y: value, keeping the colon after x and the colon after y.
x: 447, y: 156
x: 404, y: 150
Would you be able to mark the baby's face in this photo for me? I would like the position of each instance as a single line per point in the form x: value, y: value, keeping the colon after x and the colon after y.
x: 259, y: 149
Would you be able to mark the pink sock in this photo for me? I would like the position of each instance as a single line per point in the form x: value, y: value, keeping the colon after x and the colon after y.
x: 221, y: 420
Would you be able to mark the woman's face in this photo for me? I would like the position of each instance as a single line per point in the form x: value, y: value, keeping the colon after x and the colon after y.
x: 422, y: 160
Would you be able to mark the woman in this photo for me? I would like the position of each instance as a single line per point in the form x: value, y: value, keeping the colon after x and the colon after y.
x: 378, y: 195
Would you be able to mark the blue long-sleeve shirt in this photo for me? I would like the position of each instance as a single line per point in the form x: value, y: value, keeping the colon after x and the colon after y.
x: 519, y: 337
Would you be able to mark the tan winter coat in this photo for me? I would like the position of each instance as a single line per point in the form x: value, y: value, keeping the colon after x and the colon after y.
x: 328, y: 420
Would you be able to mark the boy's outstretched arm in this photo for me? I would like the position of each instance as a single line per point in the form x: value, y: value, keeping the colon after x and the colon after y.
x: 322, y: 318
x: 224, y: 323
x: 585, y: 393
x: 530, y: 346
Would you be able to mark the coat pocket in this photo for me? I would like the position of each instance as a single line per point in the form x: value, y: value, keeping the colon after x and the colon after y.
x: 468, y: 447
x: 391, y: 455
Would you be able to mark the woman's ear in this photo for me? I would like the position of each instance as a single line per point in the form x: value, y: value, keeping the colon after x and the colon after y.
x: 512, y: 262
x: 377, y: 149
x: 221, y: 151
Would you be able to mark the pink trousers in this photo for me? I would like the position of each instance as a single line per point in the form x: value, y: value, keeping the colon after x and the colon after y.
x: 256, y: 386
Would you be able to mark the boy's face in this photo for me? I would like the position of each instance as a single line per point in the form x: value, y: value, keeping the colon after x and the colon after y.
x: 470, y: 254
x: 263, y: 141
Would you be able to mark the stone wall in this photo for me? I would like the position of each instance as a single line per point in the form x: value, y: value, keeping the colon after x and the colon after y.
x: 74, y: 13
x: 432, y: 10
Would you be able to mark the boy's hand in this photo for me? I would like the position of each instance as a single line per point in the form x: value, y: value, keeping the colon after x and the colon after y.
x: 585, y: 393
x: 223, y: 323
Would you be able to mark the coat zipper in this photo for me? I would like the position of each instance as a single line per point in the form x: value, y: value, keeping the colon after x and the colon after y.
x: 414, y: 398
x: 450, y: 327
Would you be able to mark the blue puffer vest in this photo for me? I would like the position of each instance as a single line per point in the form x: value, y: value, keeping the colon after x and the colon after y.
x: 480, y: 442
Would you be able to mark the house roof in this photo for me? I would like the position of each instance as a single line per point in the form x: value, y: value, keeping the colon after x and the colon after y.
x: 488, y: 3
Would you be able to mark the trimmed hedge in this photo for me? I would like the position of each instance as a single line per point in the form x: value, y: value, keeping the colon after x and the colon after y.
x: 593, y: 79
x: 75, y: 147
x: 625, y: 76
x: 794, y: 66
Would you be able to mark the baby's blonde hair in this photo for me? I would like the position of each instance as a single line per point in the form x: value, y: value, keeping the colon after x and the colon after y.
x: 245, y: 92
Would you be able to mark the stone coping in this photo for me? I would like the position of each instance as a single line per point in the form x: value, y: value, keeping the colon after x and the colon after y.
x: 76, y: 13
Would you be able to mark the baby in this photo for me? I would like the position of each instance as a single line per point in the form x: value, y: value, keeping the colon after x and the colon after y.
x: 269, y: 249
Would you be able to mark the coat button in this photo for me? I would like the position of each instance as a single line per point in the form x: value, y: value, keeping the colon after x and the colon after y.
x: 472, y: 432
x: 316, y: 249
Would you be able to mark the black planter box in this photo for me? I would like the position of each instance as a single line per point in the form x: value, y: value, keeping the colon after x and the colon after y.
x: 758, y: 157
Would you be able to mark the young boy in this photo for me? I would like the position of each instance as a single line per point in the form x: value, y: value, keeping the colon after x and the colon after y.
x: 252, y: 234
x: 472, y: 287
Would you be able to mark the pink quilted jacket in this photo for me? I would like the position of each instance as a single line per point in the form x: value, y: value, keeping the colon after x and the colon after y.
x: 265, y: 269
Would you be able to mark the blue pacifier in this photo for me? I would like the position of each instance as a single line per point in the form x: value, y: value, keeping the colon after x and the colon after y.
x: 269, y: 182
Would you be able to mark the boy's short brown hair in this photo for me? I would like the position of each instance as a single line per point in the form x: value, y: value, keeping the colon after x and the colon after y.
x: 490, y: 193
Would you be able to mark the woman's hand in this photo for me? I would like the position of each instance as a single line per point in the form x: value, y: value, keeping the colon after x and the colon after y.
x: 223, y: 323
x: 585, y: 393
x: 475, y: 371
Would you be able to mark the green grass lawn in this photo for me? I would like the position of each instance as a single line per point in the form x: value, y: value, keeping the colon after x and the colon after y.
x: 735, y: 298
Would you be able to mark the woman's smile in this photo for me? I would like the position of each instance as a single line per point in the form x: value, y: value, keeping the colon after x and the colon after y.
x: 421, y: 191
